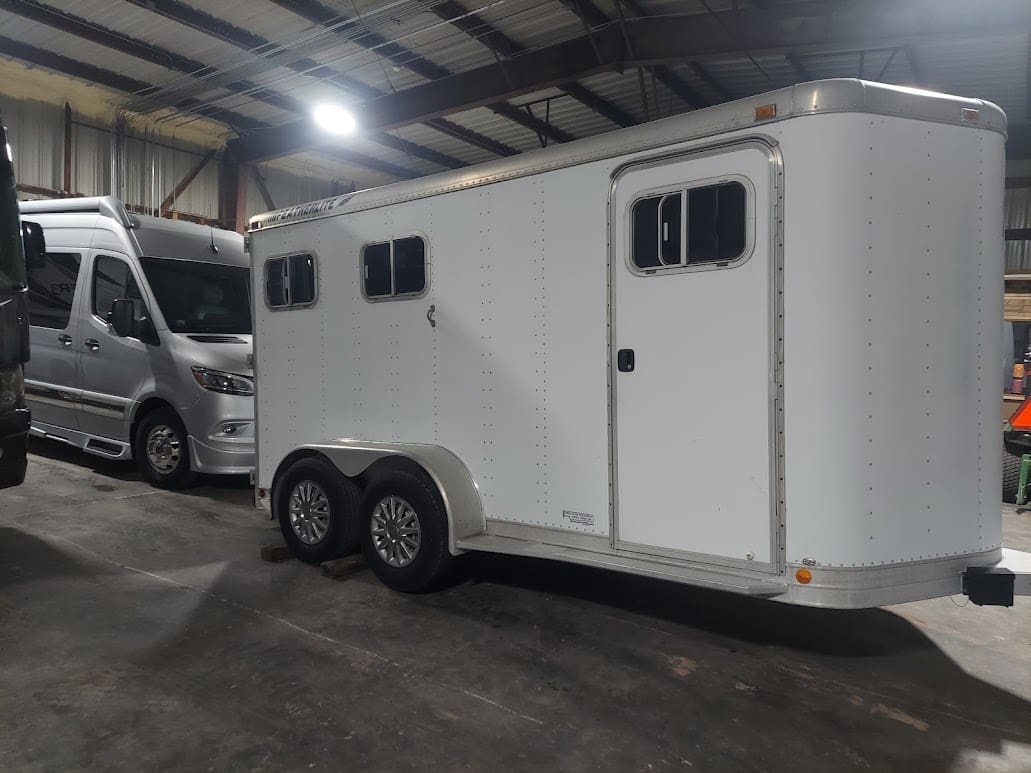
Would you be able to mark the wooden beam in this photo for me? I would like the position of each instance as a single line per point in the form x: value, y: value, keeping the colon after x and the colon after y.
x: 49, y: 193
x: 184, y: 183
x: 259, y: 180
x: 800, y: 69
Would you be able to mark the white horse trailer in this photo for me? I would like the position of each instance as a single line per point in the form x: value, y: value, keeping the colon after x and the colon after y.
x: 753, y: 347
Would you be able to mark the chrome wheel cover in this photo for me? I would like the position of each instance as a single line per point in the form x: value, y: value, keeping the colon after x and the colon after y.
x: 396, y: 531
x: 309, y: 512
x: 164, y: 449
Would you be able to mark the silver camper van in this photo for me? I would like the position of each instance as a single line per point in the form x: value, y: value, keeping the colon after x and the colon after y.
x: 140, y: 332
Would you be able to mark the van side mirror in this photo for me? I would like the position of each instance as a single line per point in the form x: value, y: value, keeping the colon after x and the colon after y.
x: 35, y: 244
x: 122, y: 318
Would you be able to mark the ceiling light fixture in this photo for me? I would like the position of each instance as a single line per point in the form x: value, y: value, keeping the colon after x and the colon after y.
x: 334, y: 119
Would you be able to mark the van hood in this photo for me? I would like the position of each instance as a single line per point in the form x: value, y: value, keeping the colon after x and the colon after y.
x: 228, y: 352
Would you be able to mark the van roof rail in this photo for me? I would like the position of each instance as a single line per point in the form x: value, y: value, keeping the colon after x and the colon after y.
x: 109, y: 206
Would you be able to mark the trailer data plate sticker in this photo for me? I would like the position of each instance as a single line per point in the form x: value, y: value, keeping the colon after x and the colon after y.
x: 578, y: 519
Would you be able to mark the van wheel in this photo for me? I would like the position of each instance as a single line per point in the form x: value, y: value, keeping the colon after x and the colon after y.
x: 162, y: 450
x: 405, y: 532
x: 317, y: 508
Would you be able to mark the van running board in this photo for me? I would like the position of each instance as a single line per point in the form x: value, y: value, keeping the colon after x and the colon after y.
x: 622, y: 562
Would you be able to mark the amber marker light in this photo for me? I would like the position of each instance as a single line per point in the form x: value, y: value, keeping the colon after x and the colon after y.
x: 765, y: 112
x: 803, y: 576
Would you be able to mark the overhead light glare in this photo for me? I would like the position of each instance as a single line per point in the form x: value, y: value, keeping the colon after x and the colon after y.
x: 335, y: 119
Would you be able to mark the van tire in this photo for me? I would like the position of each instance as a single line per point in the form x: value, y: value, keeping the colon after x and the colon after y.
x: 341, y: 507
x: 176, y: 473
x: 410, y: 492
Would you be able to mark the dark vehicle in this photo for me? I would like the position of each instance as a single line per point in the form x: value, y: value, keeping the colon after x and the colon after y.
x: 18, y: 241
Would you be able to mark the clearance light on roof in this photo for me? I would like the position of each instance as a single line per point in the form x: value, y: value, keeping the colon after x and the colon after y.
x: 1021, y: 418
x: 334, y: 119
x: 971, y: 114
x: 765, y: 112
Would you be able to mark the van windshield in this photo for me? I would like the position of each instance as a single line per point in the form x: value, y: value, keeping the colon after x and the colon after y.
x: 198, y: 297
x: 12, y: 259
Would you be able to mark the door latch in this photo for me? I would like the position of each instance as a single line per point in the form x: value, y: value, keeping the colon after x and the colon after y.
x: 625, y: 360
x: 431, y: 316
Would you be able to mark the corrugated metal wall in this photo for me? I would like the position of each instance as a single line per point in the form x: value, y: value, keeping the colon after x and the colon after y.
x: 152, y: 162
x: 286, y: 187
x: 36, y: 133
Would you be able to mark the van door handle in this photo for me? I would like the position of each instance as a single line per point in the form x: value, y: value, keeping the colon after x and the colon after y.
x: 92, y: 344
x: 625, y: 360
x: 65, y: 339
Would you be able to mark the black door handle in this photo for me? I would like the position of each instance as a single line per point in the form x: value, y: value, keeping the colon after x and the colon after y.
x: 625, y: 360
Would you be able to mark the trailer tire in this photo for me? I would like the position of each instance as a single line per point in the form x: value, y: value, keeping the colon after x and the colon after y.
x: 404, y: 532
x: 323, y: 522
x: 162, y: 450
x: 1010, y: 476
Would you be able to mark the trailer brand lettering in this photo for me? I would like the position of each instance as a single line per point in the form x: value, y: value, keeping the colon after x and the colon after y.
x: 300, y: 211
x: 579, y: 519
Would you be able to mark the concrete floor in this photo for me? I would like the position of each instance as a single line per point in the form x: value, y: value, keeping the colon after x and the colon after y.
x: 140, y: 631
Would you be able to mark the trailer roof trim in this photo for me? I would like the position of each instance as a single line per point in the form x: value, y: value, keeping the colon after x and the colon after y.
x: 840, y: 95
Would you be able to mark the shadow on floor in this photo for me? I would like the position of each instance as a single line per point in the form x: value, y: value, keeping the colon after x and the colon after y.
x: 126, y: 470
x: 847, y: 690
x: 845, y: 633
x: 26, y: 558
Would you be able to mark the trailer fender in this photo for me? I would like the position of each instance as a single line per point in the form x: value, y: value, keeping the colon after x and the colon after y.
x: 459, y: 492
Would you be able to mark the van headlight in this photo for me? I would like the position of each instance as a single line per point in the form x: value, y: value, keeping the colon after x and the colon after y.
x: 12, y: 389
x: 220, y: 381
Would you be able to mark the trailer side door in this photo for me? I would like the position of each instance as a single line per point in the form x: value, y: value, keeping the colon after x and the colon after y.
x: 695, y: 356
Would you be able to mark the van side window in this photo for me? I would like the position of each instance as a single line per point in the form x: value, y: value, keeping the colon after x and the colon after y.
x: 290, y: 281
x: 394, y: 269
x: 52, y: 290
x: 687, y: 227
x: 112, y: 280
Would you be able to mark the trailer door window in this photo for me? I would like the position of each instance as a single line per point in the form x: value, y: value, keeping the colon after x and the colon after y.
x: 395, y: 269
x: 690, y: 226
x: 290, y: 281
